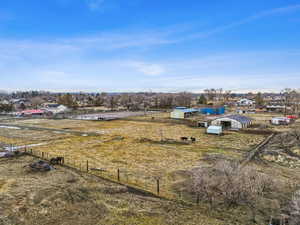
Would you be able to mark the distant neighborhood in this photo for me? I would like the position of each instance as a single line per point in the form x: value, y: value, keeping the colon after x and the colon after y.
x: 37, y: 103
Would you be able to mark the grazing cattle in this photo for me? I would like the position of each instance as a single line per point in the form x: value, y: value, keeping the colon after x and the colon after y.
x: 193, y: 139
x: 57, y: 161
x: 184, y: 138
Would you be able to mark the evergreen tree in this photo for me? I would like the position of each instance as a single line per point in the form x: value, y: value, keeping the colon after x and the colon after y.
x: 202, y: 100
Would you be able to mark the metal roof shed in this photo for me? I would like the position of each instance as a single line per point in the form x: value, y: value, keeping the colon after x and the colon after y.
x: 234, y: 122
x: 181, y: 113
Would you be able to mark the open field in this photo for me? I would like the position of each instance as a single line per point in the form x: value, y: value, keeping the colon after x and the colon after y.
x: 109, y: 116
x: 64, y: 196
x: 141, y: 149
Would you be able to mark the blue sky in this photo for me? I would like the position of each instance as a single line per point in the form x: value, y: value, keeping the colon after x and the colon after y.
x: 142, y: 45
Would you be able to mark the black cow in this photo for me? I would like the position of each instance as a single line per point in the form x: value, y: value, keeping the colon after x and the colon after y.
x: 57, y: 161
x: 193, y: 139
x: 184, y: 138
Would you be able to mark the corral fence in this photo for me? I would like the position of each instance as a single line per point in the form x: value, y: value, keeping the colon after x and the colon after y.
x: 150, y: 185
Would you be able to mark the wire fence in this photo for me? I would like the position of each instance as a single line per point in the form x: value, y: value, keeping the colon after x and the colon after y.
x: 153, y: 185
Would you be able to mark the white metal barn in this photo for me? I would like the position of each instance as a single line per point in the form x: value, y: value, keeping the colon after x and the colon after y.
x: 234, y: 122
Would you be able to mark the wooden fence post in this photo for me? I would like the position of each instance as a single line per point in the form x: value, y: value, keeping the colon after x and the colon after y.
x: 119, y: 175
x: 87, y: 165
x: 157, y: 186
x: 198, y: 199
x: 43, y: 155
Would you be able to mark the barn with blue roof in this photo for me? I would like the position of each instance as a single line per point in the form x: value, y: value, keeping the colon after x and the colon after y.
x: 232, y: 122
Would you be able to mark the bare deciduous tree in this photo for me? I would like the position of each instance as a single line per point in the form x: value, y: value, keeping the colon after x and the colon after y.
x: 36, y: 101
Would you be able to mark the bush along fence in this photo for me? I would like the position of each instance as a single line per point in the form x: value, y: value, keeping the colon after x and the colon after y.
x: 155, y: 186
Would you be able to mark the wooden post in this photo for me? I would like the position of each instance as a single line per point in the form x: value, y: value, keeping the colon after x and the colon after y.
x: 157, y: 186
x: 198, y: 199
x: 119, y: 175
x: 87, y: 165
x: 43, y: 155
x: 31, y: 151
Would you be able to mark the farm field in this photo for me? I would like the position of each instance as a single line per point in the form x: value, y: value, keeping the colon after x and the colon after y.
x: 64, y: 196
x: 142, y: 150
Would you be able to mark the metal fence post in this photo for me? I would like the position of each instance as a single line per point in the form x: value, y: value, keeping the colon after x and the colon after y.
x: 198, y: 199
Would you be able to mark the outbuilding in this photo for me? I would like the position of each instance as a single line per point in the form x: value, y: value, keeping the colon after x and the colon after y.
x: 54, y: 108
x: 31, y: 113
x: 232, y: 122
x: 280, y: 121
x: 182, y: 112
x: 214, y: 130
x: 245, y: 102
x: 212, y: 110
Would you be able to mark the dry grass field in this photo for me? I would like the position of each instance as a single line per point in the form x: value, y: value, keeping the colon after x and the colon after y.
x: 142, y: 149
x: 66, y: 197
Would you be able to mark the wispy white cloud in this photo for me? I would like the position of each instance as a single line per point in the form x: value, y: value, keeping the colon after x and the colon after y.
x: 257, y: 16
x: 238, y: 71
x: 95, y: 4
x: 150, y: 69
x: 98, y: 61
x: 95, y: 44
